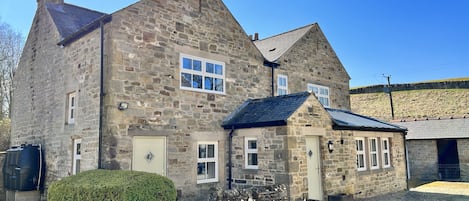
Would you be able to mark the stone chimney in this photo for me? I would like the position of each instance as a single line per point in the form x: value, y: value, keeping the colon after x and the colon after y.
x: 42, y: 2
x: 256, y: 36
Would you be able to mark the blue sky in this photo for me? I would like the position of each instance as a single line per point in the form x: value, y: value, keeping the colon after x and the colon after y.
x: 412, y: 41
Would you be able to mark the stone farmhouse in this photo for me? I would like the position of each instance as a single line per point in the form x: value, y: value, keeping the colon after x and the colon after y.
x: 179, y: 89
x: 436, y: 116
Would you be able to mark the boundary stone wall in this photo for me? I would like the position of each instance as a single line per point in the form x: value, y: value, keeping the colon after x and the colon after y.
x: 412, y: 86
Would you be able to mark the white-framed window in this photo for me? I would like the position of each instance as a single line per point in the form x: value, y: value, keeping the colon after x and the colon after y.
x: 250, y: 153
x: 71, y: 107
x: 282, y: 85
x: 373, y: 149
x: 207, y: 162
x: 385, y: 152
x: 360, y: 148
x: 76, y: 156
x: 203, y: 75
x: 322, y: 92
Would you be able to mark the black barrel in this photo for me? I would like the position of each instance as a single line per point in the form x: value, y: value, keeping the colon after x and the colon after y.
x: 22, y: 168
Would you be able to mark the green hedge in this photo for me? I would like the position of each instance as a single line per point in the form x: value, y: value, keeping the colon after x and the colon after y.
x: 116, y: 185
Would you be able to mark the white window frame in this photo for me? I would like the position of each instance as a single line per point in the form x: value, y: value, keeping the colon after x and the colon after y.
x: 319, y: 90
x: 76, y: 156
x: 282, y: 89
x: 248, y: 151
x: 373, y: 153
x: 71, y: 107
x: 385, y: 152
x: 360, y: 152
x: 206, y: 160
x: 203, y: 73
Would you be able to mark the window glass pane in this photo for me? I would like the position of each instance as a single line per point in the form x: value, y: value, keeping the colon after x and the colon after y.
x: 197, y: 65
x: 373, y: 144
x: 71, y: 113
x: 252, y: 144
x: 186, y: 80
x: 385, y: 145
x: 252, y: 159
x: 324, y: 101
x: 72, y: 101
x: 282, y: 92
x: 211, y: 151
x: 187, y: 63
x: 315, y: 90
x: 210, y: 68
x: 218, y: 84
x: 323, y: 91
x: 374, y: 160
x: 208, y: 83
x: 211, y: 170
x: 201, y: 171
x: 197, y: 81
x: 78, y: 149
x: 218, y: 69
x: 386, y: 159
x: 360, y: 161
x: 202, y: 151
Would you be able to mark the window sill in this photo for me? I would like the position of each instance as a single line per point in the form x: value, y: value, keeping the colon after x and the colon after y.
x: 375, y: 171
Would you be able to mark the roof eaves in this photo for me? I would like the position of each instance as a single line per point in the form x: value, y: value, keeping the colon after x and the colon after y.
x: 255, y: 125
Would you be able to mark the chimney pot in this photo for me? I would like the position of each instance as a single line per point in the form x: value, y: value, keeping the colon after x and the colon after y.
x: 256, y: 36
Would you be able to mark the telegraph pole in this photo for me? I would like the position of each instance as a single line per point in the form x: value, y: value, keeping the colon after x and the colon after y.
x: 390, y: 94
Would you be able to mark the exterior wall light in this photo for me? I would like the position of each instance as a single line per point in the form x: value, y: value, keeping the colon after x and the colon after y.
x: 330, y: 146
x: 123, y: 106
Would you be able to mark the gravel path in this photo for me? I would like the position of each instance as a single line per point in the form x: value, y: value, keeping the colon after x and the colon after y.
x: 436, y: 191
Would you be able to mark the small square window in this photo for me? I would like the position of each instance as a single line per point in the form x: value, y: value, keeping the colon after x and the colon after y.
x: 71, y: 108
x: 251, y: 153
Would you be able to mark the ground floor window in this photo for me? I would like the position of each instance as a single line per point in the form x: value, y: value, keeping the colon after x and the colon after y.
x: 374, y: 151
x: 207, y: 162
x: 76, y: 156
x: 250, y: 153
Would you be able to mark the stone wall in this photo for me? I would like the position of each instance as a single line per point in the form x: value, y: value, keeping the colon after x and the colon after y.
x: 423, y: 160
x: 45, y: 75
x: 463, y: 151
x: 412, y: 86
x: 312, y: 60
x: 147, y: 41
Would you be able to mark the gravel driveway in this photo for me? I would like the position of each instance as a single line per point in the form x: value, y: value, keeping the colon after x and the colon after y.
x: 436, y: 191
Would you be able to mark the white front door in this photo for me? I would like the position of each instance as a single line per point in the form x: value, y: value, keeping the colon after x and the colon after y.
x: 314, y: 168
x: 149, y: 154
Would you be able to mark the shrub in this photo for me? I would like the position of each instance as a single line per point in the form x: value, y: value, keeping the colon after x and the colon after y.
x: 116, y: 185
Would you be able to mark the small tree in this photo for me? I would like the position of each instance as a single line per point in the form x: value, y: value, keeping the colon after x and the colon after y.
x: 11, y: 47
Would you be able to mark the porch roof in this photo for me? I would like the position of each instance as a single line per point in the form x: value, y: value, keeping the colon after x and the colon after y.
x: 346, y: 120
x: 271, y: 111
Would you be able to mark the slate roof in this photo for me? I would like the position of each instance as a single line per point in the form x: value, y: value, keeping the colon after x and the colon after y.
x: 437, y: 129
x: 346, y: 120
x: 71, y: 20
x: 271, y: 111
x: 274, y: 47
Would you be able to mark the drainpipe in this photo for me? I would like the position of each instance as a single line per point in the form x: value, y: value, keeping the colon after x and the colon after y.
x: 272, y: 65
x: 407, y: 170
x: 272, y: 80
x: 101, y: 97
x: 230, y: 163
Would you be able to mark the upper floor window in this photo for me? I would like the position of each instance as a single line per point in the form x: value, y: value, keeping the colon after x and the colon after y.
x: 250, y: 153
x: 321, y: 92
x: 71, y: 107
x: 282, y: 85
x: 199, y: 74
x: 207, y: 162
